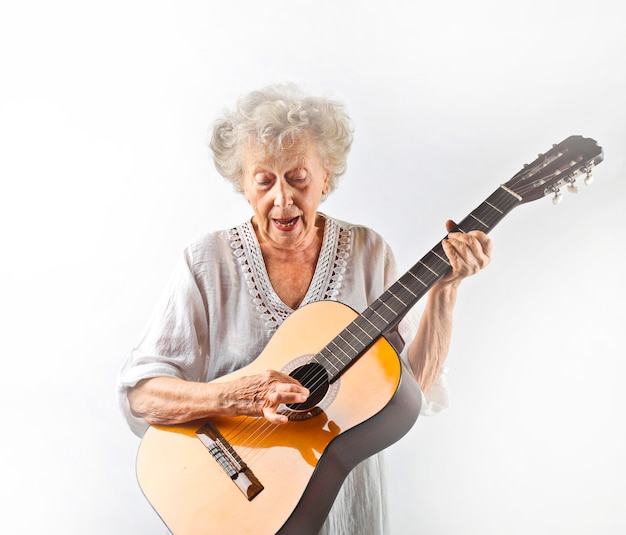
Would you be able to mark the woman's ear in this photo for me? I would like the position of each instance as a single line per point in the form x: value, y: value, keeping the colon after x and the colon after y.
x: 326, y: 185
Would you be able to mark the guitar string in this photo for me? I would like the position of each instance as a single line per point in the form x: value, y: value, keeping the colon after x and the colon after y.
x: 255, y: 428
x: 253, y: 440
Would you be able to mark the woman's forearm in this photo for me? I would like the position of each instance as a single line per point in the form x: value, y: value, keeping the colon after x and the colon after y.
x: 429, y: 349
x: 168, y: 400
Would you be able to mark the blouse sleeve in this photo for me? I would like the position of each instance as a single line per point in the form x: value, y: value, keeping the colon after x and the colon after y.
x: 173, y: 344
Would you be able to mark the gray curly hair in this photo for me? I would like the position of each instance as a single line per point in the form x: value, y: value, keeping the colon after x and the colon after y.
x: 274, y: 118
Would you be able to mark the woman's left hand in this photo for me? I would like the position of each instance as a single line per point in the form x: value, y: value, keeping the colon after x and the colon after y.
x: 468, y: 253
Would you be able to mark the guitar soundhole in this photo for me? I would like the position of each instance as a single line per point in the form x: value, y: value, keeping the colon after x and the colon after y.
x: 314, y: 377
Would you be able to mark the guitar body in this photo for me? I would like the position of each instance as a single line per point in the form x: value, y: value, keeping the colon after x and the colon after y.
x: 300, y: 465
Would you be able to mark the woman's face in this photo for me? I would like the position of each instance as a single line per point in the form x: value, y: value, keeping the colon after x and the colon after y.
x: 285, y: 192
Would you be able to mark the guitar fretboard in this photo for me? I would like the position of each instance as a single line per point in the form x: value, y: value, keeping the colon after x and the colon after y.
x: 387, y: 311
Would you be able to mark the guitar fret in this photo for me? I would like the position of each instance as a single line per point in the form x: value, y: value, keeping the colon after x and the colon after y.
x: 494, y: 207
x: 334, y: 357
x: 444, y: 260
x: 349, y: 344
x: 355, y: 339
x: 340, y: 349
x: 484, y: 215
x: 384, y: 312
x: 428, y: 268
x: 328, y: 360
x: 417, y: 278
x: 386, y: 305
x: 375, y: 312
x: 392, y: 294
x: 329, y: 356
x: 407, y: 288
x: 405, y: 297
x: 369, y: 329
x: 356, y: 322
x: 366, y: 319
x: 481, y: 222
x: 388, y: 308
x: 379, y: 321
x: 490, y: 211
x: 369, y: 338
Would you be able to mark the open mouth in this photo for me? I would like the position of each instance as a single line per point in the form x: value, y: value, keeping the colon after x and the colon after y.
x: 286, y: 223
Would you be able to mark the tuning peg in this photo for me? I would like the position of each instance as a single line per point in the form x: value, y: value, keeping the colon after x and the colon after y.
x: 589, y: 177
x: 571, y: 184
x: 558, y: 196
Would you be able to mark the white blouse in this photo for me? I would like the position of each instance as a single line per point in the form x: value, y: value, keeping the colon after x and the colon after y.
x: 219, y: 311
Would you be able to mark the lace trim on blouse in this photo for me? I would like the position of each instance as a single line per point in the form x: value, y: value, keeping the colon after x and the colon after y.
x: 326, y: 282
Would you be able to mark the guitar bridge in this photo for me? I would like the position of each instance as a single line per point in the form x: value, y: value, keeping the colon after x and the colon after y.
x: 226, y: 456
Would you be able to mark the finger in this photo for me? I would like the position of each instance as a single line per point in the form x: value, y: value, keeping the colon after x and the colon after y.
x: 276, y: 399
x: 292, y: 388
x: 270, y: 414
x: 452, y: 254
x: 485, y: 242
x: 466, y: 254
x: 481, y: 246
x: 280, y: 378
x: 475, y: 244
x: 450, y: 225
x: 282, y: 394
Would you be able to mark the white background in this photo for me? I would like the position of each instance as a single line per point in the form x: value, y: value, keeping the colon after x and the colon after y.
x: 104, y: 114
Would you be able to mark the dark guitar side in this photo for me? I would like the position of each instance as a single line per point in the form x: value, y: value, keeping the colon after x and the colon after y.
x: 301, y: 464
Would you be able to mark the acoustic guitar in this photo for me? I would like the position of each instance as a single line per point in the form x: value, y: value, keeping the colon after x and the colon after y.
x: 243, y: 475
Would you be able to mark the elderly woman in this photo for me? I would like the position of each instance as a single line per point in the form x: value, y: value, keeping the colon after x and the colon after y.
x: 285, y: 153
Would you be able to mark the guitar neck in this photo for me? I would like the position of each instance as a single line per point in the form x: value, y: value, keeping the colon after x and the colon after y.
x: 387, y: 311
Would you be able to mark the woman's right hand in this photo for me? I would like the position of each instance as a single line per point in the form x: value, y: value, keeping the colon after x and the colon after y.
x: 262, y: 394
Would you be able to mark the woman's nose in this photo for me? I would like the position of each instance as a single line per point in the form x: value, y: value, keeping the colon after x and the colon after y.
x: 283, y: 196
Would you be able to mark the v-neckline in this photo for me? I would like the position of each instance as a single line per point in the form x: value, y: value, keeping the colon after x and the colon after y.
x: 261, y: 272
x: 327, y: 279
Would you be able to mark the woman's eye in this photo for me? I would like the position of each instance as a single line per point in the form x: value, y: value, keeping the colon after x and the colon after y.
x: 263, y: 179
x: 297, y: 174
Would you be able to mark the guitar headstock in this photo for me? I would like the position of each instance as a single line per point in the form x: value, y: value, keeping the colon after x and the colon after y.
x: 558, y: 167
